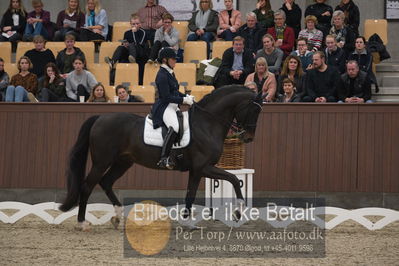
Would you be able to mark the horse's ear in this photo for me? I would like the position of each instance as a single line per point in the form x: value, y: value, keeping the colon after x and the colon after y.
x: 259, y: 98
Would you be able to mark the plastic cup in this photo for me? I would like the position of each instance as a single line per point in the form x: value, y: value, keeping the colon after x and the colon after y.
x: 116, y: 99
x: 82, y: 99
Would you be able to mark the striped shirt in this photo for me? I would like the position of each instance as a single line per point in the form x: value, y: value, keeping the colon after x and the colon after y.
x: 150, y: 16
x: 314, y: 37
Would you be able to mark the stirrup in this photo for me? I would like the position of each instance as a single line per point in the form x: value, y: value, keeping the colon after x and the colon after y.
x: 166, y: 163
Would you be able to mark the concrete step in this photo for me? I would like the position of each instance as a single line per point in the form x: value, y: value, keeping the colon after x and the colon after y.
x: 387, y: 91
x: 386, y: 94
x: 388, y: 67
x: 385, y: 99
x: 389, y: 81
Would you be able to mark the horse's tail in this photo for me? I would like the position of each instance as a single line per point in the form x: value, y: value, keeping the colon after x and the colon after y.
x: 77, y: 165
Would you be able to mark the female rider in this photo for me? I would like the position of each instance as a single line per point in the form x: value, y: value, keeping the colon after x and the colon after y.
x: 165, y: 107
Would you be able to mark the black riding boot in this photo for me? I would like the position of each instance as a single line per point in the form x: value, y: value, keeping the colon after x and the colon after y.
x: 165, y: 161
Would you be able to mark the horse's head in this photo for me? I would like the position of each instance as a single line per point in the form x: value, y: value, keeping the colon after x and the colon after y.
x: 246, y: 114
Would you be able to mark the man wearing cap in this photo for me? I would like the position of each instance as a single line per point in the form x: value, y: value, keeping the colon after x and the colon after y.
x: 164, y: 109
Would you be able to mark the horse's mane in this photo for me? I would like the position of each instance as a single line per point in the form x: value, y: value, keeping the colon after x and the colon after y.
x: 221, y: 92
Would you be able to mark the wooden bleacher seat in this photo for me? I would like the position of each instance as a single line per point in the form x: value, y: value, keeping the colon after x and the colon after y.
x: 22, y: 48
x: 110, y: 91
x: 120, y: 27
x: 5, y: 51
x: 101, y: 72
x: 186, y: 72
x: 11, y: 69
x: 88, y: 49
x: 55, y: 47
x: 194, y: 51
x: 182, y: 27
x: 147, y: 92
x: 200, y: 91
x: 127, y: 73
x: 379, y: 26
x: 150, y: 73
x: 218, y: 48
x: 107, y: 49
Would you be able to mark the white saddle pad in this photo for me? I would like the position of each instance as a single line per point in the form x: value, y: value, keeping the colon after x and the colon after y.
x: 154, y: 136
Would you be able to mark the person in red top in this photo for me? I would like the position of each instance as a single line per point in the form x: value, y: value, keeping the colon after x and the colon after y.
x: 151, y: 18
x: 284, y: 35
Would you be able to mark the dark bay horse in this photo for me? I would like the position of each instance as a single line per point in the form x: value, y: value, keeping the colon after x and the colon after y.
x: 116, y: 142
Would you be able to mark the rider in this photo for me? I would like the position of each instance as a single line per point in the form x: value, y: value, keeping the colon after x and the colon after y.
x: 165, y: 107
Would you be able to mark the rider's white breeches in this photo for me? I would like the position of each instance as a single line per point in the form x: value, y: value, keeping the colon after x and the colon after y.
x: 170, y: 118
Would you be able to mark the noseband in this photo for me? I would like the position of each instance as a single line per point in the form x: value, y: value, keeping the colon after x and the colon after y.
x: 242, y: 128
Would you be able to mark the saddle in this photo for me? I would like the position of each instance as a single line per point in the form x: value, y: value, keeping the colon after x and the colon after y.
x: 155, y: 137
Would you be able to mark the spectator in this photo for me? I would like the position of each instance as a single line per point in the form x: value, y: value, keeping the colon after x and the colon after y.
x: 80, y: 81
x: 40, y: 56
x: 265, y: 81
x: 65, y: 58
x: 264, y: 14
x: 53, y: 85
x: 335, y: 56
x: 204, y: 24
x: 363, y: 58
x: 124, y: 95
x: 343, y: 35
x: 321, y: 81
x: 352, y: 14
x: 354, y: 86
x: 69, y: 21
x: 23, y: 86
x: 294, y: 15
x: 13, y: 22
x: 151, y: 18
x: 361, y: 55
x: 289, y: 92
x: 38, y: 23
x: 274, y: 56
x: 304, y: 54
x: 252, y: 33
x: 4, y: 80
x: 229, y: 21
x: 323, y: 13
x: 165, y: 36
x: 96, y: 22
x: 133, y: 49
x: 292, y: 70
x: 98, y: 94
x: 237, y: 63
x: 284, y: 35
x: 313, y: 36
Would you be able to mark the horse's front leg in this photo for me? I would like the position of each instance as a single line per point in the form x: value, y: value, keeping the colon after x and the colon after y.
x: 216, y: 173
x: 192, y: 187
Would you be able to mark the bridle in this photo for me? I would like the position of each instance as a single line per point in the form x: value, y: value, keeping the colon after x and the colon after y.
x: 235, y: 126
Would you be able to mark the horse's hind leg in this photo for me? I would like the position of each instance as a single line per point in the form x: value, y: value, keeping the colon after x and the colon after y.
x: 90, y: 182
x: 118, y: 168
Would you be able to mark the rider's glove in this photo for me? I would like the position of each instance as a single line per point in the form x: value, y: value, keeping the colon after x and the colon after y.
x: 188, y: 100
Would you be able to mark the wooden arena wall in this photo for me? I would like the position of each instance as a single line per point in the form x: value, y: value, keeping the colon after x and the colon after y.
x: 298, y: 147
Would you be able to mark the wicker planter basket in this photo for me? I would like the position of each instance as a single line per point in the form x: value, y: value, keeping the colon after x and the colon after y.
x: 233, y: 154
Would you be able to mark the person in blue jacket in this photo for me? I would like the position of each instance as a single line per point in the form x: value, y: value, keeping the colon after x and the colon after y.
x: 165, y: 107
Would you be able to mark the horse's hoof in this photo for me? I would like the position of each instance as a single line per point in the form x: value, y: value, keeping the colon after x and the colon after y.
x: 115, y: 221
x: 83, y: 226
x: 236, y: 216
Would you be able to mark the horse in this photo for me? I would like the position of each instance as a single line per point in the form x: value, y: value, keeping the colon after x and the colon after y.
x: 115, y: 142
